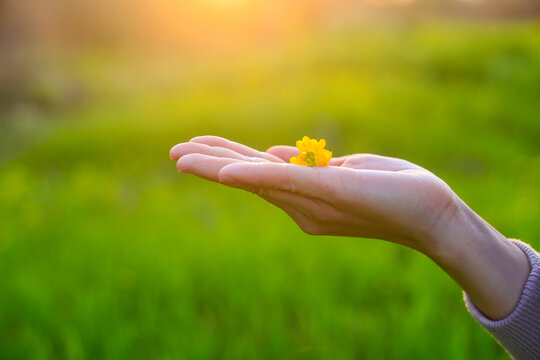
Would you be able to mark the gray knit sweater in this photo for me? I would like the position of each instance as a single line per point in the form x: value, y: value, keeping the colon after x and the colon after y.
x: 519, y: 332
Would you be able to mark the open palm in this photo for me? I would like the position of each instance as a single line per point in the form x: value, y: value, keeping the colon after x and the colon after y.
x: 373, y: 196
x: 360, y: 195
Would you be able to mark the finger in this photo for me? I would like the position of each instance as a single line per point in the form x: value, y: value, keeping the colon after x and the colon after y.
x: 286, y: 152
x: 189, y: 148
x: 283, y: 152
x: 378, y: 162
x: 337, y: 161
x: 204, y: 166
x: 318, y: 182
x: 307, y: 206
x: 237, y: 147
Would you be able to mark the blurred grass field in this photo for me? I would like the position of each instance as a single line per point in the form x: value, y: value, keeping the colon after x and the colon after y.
x: 106, y: 252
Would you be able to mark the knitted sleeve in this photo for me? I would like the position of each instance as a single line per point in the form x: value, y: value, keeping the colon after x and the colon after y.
x: 519, y: 332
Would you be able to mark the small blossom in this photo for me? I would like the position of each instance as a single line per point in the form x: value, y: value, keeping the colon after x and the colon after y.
x: 311, y: 153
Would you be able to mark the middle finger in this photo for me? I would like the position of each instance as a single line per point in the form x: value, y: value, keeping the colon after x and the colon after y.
x: 234, y: 146
x: 195, y: 148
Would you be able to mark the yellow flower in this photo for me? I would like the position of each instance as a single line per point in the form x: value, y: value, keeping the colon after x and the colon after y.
x: 311, y: 153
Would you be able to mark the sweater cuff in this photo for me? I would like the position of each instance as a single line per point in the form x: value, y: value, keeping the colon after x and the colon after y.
x: 519, y: 332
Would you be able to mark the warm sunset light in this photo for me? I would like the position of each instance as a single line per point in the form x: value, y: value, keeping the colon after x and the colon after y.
x: 225, y: 3
x: 269, y: 179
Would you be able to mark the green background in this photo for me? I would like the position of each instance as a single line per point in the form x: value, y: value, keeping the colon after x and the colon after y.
x: 106, y: 252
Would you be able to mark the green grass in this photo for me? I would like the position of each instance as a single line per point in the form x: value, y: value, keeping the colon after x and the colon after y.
x: 106, y: 252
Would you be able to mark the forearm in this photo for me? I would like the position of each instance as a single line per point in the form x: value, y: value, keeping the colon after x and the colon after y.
x: 488, y: 266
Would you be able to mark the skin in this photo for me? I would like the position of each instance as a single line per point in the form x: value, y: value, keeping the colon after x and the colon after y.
x: 372, y: 196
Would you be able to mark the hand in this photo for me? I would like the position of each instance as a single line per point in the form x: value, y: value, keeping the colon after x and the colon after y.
x: 367, y: 195
x: 360, y: 195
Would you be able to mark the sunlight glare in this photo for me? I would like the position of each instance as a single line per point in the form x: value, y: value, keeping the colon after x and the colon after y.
x: 225, y: 3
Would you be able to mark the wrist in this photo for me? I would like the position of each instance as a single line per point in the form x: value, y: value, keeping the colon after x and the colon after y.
x: 459, y: 232
x: 488, y: 266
